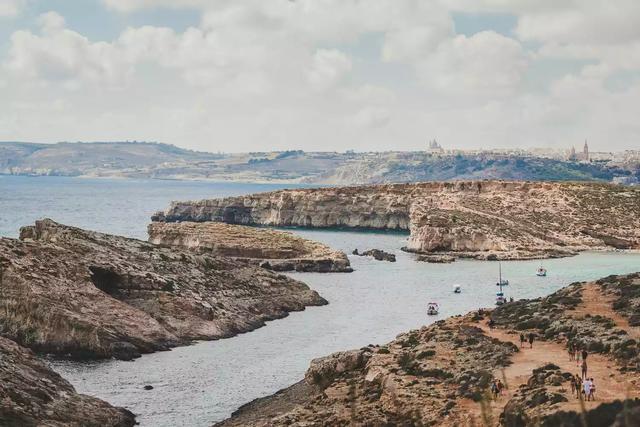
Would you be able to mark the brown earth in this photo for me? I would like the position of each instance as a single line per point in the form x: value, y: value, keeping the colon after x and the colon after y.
x: 272, y: 249
x: 68, y: 291
x: 440, y: 374
x: 479, y: 219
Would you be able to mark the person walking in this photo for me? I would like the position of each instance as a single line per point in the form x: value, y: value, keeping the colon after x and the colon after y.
x: 500, y: 387
x: 584, y: 354
x: 592, y: 389
x: 586, y: 384
x: 570, y: 350
x: 494, y: 389
x: 584, y: 369
x: 522, y: 340
x: 531, y: 338
x: 577, y: 385
x: 577, y: 353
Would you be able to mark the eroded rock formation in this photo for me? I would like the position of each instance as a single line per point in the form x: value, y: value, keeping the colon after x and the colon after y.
x: 273, y: 249
x: 481, y: 219
x: 65, y: 290
x: 440, y: 374
x: 32, y: 395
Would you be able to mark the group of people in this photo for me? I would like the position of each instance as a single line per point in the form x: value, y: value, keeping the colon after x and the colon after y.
x: 584, y: 388
x: 497, y: 387
x: 523, y: 339
x: 580, y: 356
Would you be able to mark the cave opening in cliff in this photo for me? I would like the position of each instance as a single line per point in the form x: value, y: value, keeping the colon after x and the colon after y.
x: 105, y: 280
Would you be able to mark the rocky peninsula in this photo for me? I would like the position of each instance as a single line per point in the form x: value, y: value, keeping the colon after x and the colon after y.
x: 78, y: 293
x: 479, y: 219
x: 440, y: 374
x: 32, y: 395
x: 272, y: 249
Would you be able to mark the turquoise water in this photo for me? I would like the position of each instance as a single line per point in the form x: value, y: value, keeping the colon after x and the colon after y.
x: 205, y: 382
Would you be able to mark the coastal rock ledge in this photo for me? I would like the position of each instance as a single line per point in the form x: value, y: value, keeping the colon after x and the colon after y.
x: 78, y: 293
x: 479, y: 219
x: 272, y: 249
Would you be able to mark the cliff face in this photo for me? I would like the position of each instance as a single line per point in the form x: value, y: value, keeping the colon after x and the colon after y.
x: 441, y: 374
x: 32, y: 395
x: 70, y: 291
x: 484, y: 219
x: 272, y: 249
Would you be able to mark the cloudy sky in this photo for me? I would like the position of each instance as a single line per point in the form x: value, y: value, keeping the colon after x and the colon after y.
x: 242, y: 75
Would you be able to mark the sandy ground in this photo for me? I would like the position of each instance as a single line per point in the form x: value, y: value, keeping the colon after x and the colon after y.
x: 610, y: 383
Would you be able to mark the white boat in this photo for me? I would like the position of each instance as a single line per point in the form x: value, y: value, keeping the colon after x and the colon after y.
x: 500, y: 298
x: 457, y: 289
x: 541, y: 272
x: 432, y: 308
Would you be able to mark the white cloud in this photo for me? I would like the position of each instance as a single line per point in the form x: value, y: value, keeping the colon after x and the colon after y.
x: 328, y: 68
x: 10, y: 8
x: 372, y: 117
x: 486, y: 63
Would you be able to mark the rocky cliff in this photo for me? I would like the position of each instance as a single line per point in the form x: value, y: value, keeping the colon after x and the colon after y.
x: 482, y: 219
x: 32, y: 395
x: 441, y: 374
x: 272, y: 249
x: 69, y: 291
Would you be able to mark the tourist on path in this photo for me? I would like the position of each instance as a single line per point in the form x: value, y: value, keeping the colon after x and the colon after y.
x: 577, y: 385
x: 592, y: 390
x: 531, y: 338
x: 494, y: 389
x: 587, y: 388
x: 584, y: 369
x: 500, y: 387
x: 584, y: 354
x: 571, y: 351
x: 522, y: 340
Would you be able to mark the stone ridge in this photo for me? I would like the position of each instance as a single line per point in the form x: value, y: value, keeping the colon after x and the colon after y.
x: 480, y: 219
x: 68, y: 291
x: 272, y: 249
x: 34, y: 395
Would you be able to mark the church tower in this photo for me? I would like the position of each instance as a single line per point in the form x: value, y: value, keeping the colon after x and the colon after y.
x: 585, y: 151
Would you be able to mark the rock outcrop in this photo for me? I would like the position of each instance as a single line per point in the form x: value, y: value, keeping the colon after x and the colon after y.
x: 69, y: 291
x: 272, y: 249
x: 480, y: 219
x: 440, y: 374
x: 32, y: 395
x: 377, y: 254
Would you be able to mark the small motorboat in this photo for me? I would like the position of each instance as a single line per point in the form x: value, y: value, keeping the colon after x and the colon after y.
x: 457, y: 289
x: 432, y: 308
x: 541, y: 272
x: 500, y: 298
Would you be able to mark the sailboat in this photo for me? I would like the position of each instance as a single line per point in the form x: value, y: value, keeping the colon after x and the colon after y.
x: 500, y: 298
x: 501, y: 281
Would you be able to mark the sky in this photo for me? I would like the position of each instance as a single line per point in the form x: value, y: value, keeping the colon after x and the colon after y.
x: 322, y: 75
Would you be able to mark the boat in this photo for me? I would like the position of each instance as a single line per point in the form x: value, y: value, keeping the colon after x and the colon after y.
x: 500, y: 298
x: 541, y: 272
x: 457, y: 289
x: 432, y: 308
x: 501, y: 281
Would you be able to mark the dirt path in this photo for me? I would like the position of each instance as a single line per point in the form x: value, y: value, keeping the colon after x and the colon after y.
x: 611, y: 384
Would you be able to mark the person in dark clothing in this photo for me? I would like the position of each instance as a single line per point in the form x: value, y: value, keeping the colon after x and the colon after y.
x: 584, y: 369
x: 531, y: 338
x: 584, y: 354
x: 522, y: 340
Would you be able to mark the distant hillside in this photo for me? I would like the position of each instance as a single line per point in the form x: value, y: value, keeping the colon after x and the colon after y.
x: 163, y: 161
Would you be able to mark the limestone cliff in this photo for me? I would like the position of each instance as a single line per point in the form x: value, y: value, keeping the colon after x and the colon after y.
x: 65, y: 290
x: 32, y: 395
x: 272, y: 249
x: 482, y: 219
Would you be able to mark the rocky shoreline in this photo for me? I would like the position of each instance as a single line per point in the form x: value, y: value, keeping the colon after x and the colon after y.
x: 272, y: 249
x: 479, y: 219
x: 83, y: 294
x: 440, y: 374
x: 31, y: 394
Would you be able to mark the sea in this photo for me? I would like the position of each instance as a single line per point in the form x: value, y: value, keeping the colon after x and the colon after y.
x: 203, y: 383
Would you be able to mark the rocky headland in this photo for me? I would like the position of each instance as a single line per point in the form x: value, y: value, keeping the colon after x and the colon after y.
x: 377, y: 254
x: 440, y: 374
x: 479, y: 219
x: 272, y: 249
x: 32, y: 395
x: 78, y: 293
